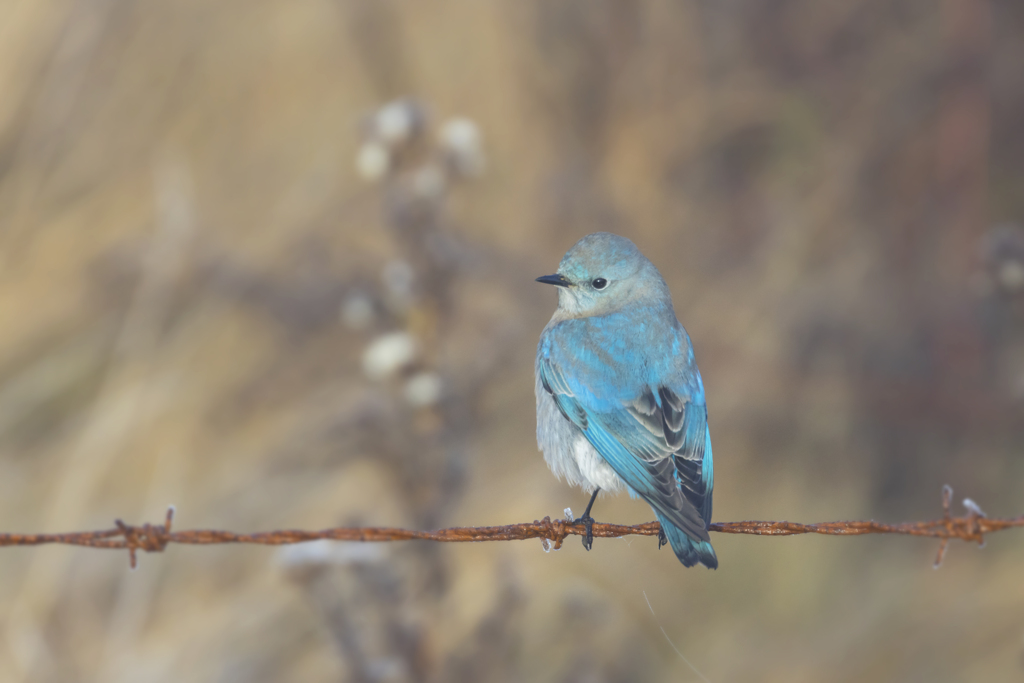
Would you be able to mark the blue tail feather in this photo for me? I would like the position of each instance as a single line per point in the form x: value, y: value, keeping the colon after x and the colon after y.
x: 688, y: 550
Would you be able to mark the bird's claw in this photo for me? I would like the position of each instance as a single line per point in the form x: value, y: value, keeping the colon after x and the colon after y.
x: 662, y: 539
x: 588, y: 522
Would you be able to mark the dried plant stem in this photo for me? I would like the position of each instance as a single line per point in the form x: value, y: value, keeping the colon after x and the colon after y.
x: 154, y: 538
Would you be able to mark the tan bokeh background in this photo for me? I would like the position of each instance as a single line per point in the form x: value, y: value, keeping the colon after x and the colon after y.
x: 192, y: 268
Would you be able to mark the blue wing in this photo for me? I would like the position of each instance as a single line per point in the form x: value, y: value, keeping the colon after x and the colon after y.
x: 659, y: 444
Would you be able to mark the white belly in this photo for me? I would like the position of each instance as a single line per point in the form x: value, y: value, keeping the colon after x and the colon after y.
x: 593, y: 468
x: 567, y: 451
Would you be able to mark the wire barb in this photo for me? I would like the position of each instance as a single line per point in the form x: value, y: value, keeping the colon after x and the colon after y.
x: 154, y: 538
x: 149, y: 537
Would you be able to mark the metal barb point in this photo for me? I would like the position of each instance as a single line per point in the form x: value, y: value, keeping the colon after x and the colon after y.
x: 942, y: 553
x: 129, y: 541
x: 149, y: 537
x: 947, y: 499
x: 554, y: 532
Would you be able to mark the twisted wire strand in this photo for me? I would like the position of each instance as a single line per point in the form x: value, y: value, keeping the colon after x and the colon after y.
x: 156, y: 537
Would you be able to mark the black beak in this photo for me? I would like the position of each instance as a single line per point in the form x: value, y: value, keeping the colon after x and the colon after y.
x: 556, y: 279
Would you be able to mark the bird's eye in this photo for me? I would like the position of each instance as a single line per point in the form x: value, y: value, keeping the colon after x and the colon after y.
x: 599, y: 283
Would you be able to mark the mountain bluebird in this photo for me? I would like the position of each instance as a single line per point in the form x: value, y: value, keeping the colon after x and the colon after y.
x: 620, y: 402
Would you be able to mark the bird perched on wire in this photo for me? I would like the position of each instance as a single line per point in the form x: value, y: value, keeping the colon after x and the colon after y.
x: 620, y: 402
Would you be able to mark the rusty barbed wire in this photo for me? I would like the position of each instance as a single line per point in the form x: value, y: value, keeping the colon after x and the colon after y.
x: 156, y: 537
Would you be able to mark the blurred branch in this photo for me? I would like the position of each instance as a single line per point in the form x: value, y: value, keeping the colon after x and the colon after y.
x: 156, y: 537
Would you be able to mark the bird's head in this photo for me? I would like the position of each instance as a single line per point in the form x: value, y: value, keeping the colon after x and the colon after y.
x: 603, y: 273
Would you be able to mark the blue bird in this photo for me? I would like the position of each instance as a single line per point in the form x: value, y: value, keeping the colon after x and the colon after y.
x: 620, y: 402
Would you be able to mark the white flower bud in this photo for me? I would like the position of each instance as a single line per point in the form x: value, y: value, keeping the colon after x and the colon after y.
x: 460, y: 140
x: 423, y: 389
x: 388, y: 354
x: 323, y: 552
x: 373, y: 161
x: 357, y: 311
x: 393, y: 124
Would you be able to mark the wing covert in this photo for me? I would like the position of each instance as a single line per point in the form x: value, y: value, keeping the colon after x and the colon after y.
x: 657, y: 443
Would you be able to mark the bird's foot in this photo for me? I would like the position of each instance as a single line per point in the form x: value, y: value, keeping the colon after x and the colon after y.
x: 588, y: 522
x: 662, y: 539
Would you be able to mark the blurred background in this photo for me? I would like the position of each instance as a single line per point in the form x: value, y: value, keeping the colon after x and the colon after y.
x: 273, y: 263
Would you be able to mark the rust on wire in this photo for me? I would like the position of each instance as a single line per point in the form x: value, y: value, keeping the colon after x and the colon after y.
x: 156, y: 537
